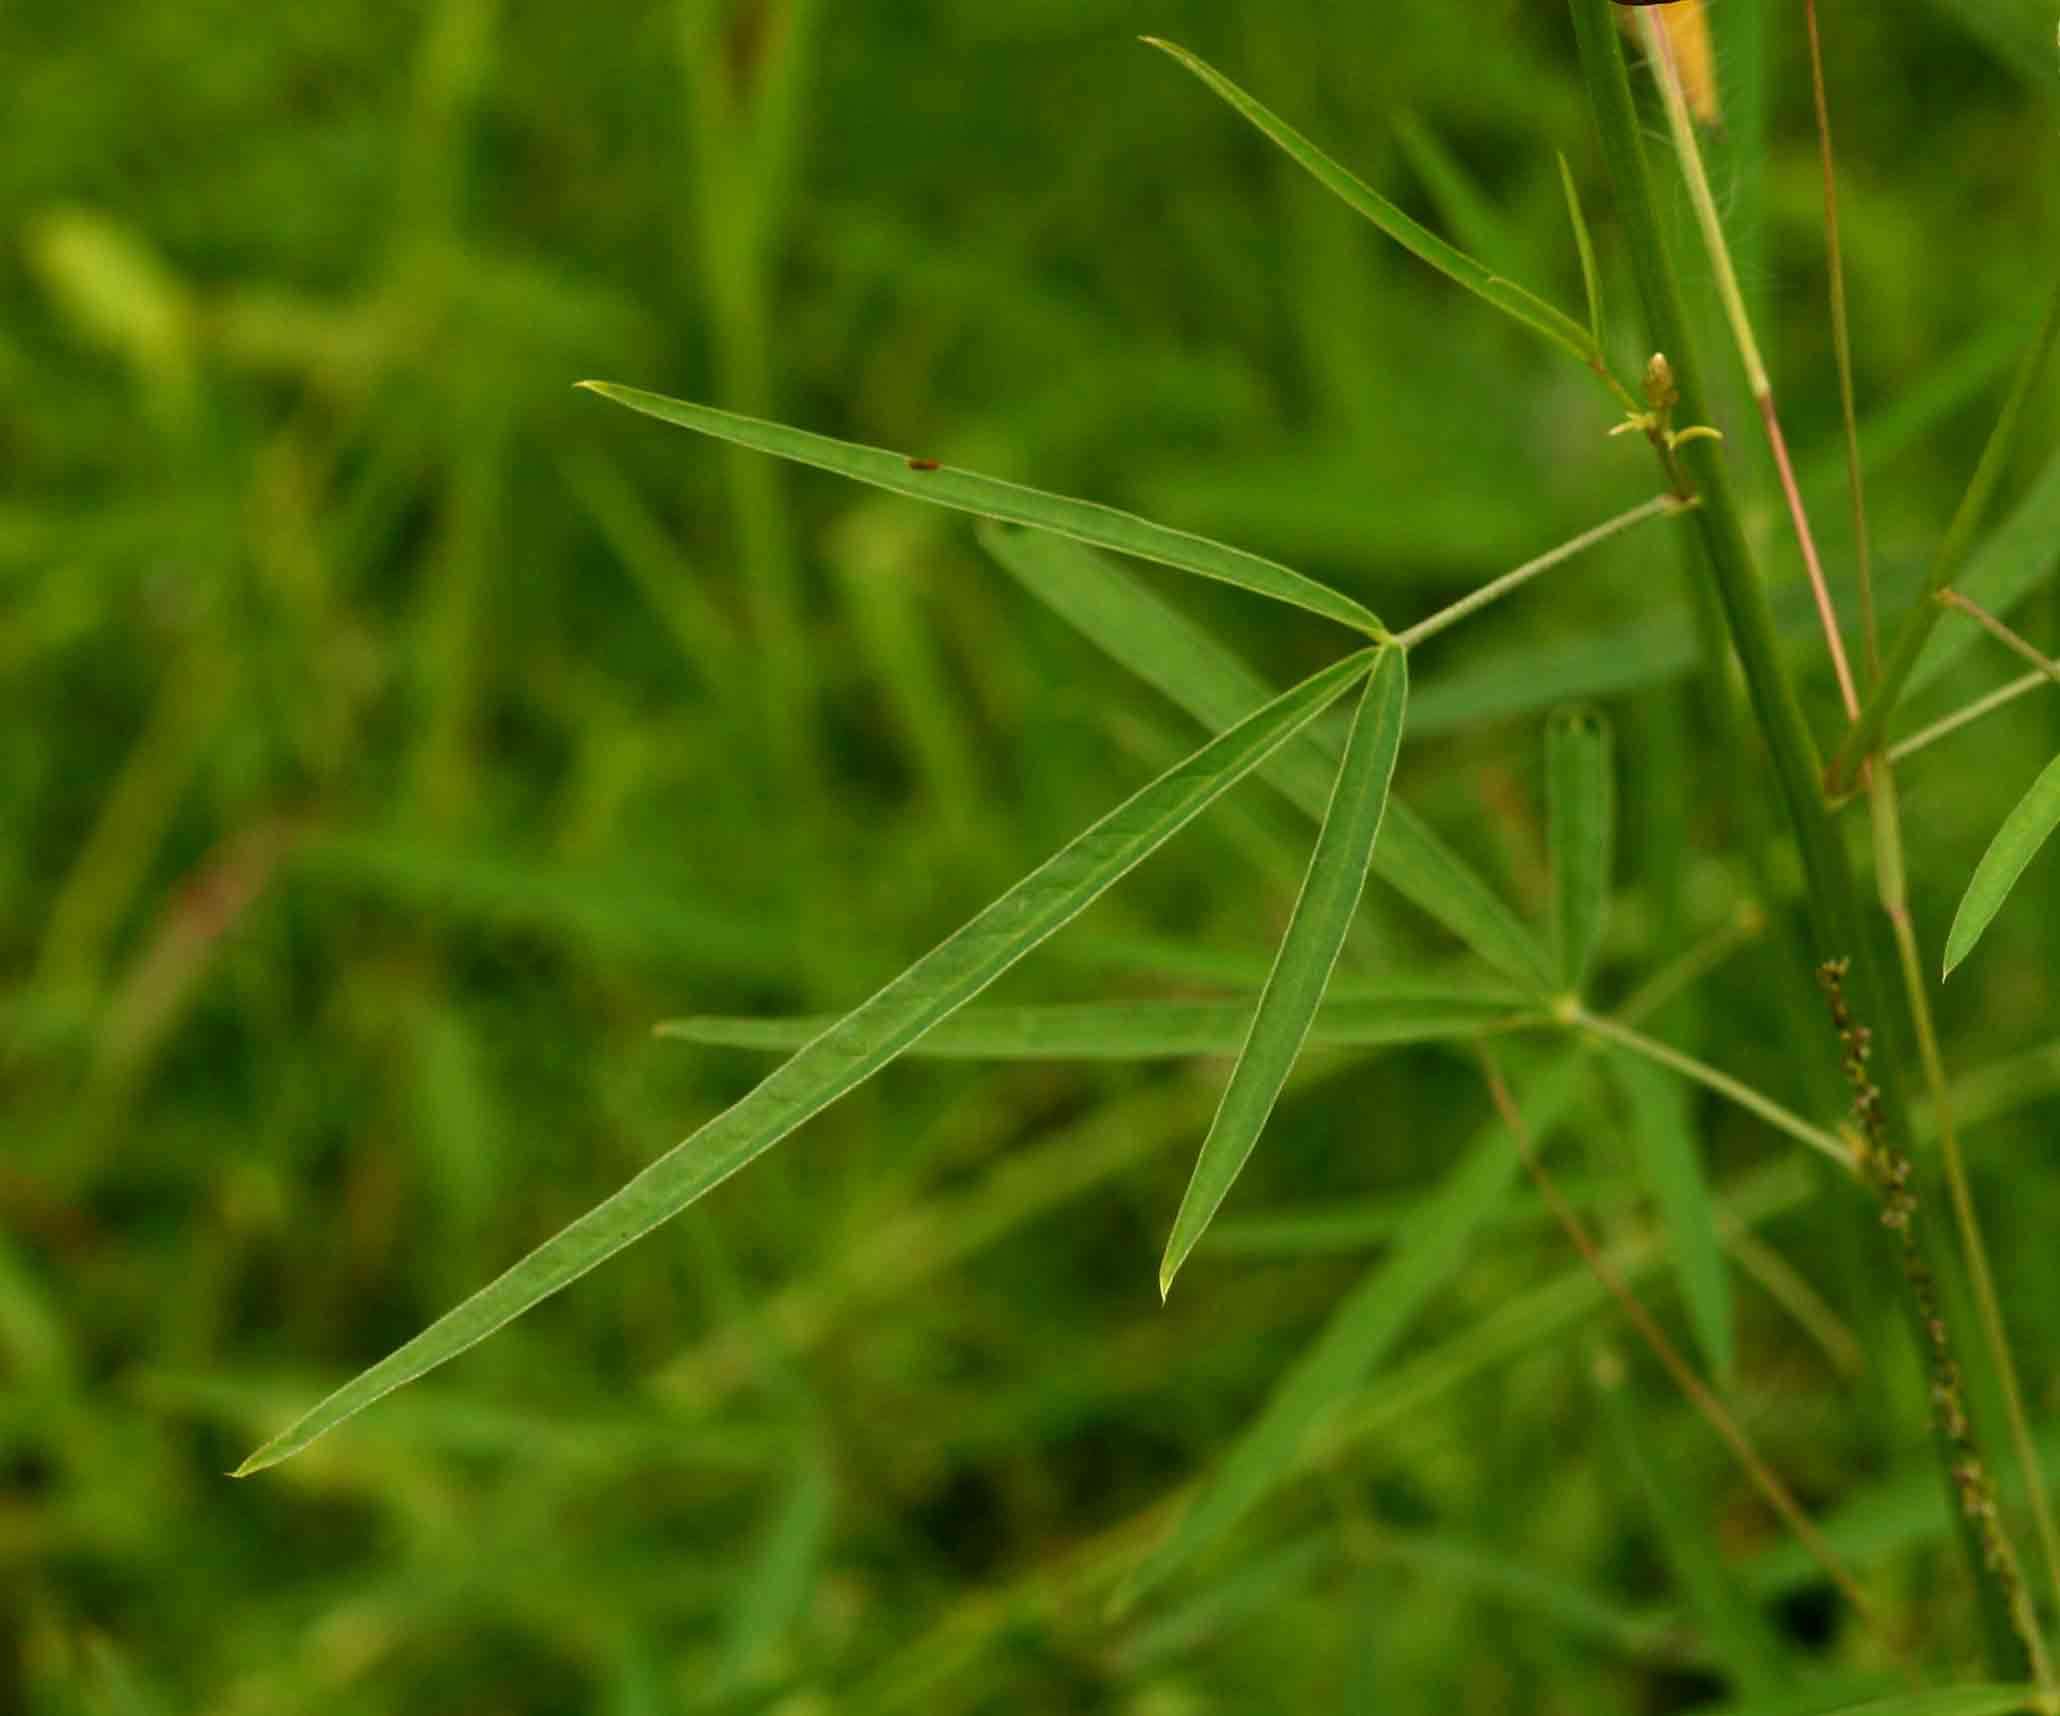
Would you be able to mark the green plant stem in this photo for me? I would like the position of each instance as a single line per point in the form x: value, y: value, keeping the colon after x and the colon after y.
x: 1981, y: 1279
x: 1833, y: 897
x: 1757, y: 380
x: 1731, y: 1089
x: 1497, y: 588
x: 1916, y: 629
x: 1834, y: 907
x: 1889, y: 864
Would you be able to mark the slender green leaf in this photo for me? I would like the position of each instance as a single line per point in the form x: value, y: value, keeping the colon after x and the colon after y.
x: 990, y: 497
x: 1169, y: 652
x: 1580, y: 786
x: 1508, y: 297
x: 865, y: 1040
x: 1664, y: 1136
x: 1738, y: 1635
x: 1309, y: 951
x: 1138, y: 1030
x: 773, y: 1591
x: 1591, y: 279
x: 2023, y: 832
x: 1361, y: 1333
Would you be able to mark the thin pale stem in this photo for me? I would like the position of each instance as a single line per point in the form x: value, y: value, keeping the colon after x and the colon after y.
x: 1731, y: 1089
x: 1496, y: 589
x: 1711, y: 1409
x: 1974, y: 711
x: 1995, y: 628
x: 1704, y: 202
x: 1842, y: 349
x: 1988, y: 1309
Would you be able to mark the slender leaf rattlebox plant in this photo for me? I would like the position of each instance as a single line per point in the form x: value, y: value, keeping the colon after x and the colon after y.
x: 1330, y: 746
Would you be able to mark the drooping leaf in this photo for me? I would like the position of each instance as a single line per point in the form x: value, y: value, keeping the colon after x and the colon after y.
x: 1664, y: 1139
x: 1360, y: 1334
x: 1139, y: 1030
x: 2016, y: 843
x: 850, y: 1052
x: 1581, y: 800
x: 1167, y: 650
x: 991, y: 497
x: 1414, y: 237
x: 1308, y: 952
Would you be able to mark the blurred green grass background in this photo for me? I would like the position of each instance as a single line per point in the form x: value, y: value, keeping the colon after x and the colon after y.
x: 392, y: 735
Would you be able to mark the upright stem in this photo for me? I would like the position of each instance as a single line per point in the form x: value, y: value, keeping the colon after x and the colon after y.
x: 1987, y: 1308
x: 1834, y: 902
x: 1757, y: 381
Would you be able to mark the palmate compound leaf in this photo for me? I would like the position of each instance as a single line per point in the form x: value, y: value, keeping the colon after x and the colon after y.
x: 991, y: 497
x: 2016, y: 843
x: 1308, y: 952
x: 850, y: 1052
x: 1142, y: 632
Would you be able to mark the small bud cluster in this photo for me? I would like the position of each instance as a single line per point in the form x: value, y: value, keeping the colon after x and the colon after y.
x: 1889, y: 1171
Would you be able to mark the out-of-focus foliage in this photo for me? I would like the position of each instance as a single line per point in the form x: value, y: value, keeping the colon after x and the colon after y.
x: 389, y: 736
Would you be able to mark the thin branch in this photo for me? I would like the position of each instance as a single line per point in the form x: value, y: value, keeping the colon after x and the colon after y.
x: 1995, y: 628
x: 1496, y: 589
x: 1945, y: 567
x: 1731, y: 1089
x: 1699, y: 1396
x: 1961, y: 717
x: 1705, y: 205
